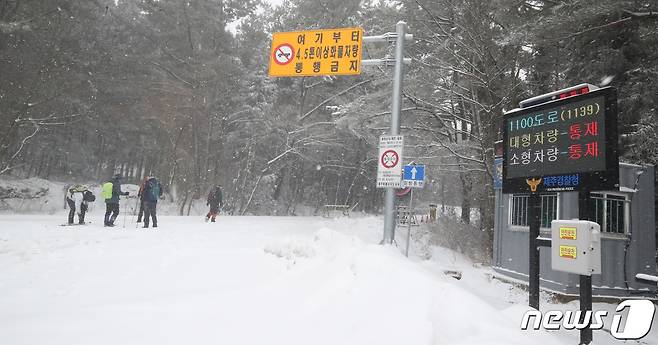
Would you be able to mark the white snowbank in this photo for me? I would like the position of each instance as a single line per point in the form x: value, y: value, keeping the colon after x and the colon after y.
x: 32, y: 195
x: 39, y: 196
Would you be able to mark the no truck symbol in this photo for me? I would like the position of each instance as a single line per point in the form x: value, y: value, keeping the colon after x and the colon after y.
x: 283, y: 54
x: 390, y: 159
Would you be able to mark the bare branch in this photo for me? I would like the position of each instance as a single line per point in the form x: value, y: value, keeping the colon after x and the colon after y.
x: 460, y: 156
x: 8, y: 166
x: 172, y: 73
x: 301, y: 118
x: 591, y: 29
x: 641, y: 14
x: 10, y: 27
x: 47, y: 118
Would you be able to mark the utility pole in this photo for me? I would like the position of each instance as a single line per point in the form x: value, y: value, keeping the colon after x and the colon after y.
x: 399, y: 37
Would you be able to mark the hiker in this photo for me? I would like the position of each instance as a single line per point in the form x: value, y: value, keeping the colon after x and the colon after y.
x: 77, y: 199
x: 140, y: 195
x: 151, y: 193
x: 215, y: 202
x: 111, y: 192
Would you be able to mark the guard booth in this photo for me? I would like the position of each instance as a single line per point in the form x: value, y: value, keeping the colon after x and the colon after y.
x: 559, y: 154
x: 628, y: 235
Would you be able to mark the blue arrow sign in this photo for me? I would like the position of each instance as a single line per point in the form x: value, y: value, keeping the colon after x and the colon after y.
x: 414, y: 173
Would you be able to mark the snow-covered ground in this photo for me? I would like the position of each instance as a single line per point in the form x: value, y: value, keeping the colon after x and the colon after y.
x: 245, y: 280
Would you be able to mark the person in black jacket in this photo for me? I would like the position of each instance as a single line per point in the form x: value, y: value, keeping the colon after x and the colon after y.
x: 215, y: 202
x: 152, y: 192
x: 111, y: 192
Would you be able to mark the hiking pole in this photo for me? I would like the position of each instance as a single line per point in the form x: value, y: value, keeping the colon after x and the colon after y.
x: 124, y: 213
x: 135, y: 211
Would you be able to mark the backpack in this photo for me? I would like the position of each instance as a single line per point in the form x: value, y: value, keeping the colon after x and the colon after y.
x: 88, y: 196
x: 216, y: 196
x: 153, y: 189
x: 107, y: 190
x: 78, y: 188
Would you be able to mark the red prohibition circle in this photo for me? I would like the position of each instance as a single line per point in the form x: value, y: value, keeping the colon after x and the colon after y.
x: 283, y: 54
x: 403, y: 192
x: 392, y: 162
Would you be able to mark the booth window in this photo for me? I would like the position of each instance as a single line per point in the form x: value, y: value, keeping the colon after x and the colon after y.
x: 611, y: 211
x: 519, y: 209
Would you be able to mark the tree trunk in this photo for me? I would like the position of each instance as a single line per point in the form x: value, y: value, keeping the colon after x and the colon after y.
x: 251, y: 196
x: 466, y: 197
x: 189, y: 204
x: 181, y: 211
x: 172, y: 174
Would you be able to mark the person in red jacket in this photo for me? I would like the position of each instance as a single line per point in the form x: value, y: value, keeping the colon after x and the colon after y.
x: 215, y: 202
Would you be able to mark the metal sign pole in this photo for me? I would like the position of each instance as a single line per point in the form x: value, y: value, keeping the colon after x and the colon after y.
x: 585, y: 280
x: 534, y: 220
x: 411, y: 204
x: 389, y: 202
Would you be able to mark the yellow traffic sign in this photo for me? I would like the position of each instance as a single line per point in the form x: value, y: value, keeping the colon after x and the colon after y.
x: 316, y: 52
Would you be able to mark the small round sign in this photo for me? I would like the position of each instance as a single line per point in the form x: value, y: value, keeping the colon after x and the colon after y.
x: 403, y: 191
x: 283, y: 54
x: 390, y: 159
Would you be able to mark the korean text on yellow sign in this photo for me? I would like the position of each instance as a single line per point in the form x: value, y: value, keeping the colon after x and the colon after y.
x: 568, y: 252
x: 568, y: 233
x: 316, y: 53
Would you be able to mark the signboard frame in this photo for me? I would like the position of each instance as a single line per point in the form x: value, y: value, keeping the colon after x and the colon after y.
x: 390, y: 177
x: 339, y: 53
x: 413, y: 183
x: 607, y: 179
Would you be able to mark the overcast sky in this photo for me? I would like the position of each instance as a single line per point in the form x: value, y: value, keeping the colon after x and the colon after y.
x: 232, y: 27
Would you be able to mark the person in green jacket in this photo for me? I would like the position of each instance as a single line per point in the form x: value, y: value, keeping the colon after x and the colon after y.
x: 111, y: 192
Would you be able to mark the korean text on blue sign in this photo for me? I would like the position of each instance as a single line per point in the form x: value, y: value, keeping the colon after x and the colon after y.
x: 413, y: 176
x: 561, y: 182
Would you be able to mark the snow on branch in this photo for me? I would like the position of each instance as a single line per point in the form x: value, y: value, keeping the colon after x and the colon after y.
x: 641, y: 14
x: 301, y: 118
x: 8, y: 165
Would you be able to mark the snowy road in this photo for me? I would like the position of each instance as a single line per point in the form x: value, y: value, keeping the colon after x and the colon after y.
x: 243, y: 280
